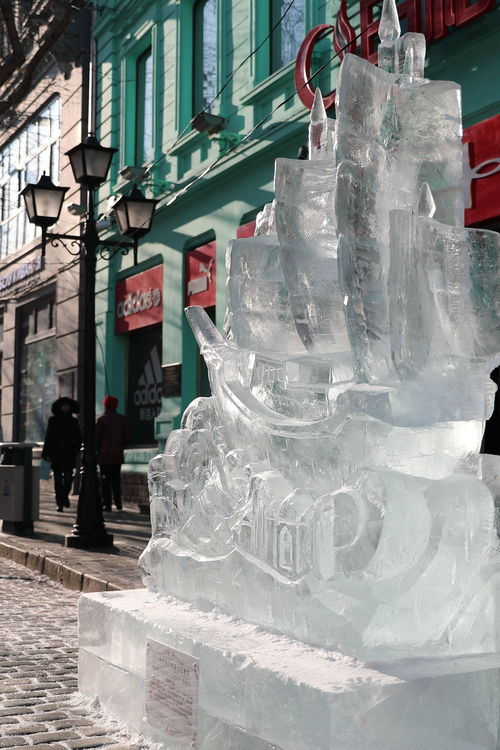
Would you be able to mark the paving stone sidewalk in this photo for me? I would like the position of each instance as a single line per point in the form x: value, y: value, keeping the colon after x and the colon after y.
x: 39, y: 703
x: 80, y: 570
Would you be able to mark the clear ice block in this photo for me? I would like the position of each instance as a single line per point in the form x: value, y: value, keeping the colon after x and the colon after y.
x: 331, y: 487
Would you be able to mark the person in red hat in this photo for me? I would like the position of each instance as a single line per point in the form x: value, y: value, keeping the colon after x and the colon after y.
x: 112, y: 438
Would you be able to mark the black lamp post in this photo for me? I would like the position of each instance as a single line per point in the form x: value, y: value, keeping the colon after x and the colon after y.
x: 90, y: 163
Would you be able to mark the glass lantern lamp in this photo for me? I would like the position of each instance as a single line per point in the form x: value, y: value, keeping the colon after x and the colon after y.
x: 134, y: 213
x: 90, y: 162
x: 43, y: 201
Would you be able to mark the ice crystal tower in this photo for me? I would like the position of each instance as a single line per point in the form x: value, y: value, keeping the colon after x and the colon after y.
x: 330, y: 488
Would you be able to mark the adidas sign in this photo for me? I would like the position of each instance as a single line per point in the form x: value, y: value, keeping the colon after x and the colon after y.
x: 148, y: 392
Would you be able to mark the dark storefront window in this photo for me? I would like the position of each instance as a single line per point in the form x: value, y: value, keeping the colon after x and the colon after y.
x: 144, y: 391
x: 37, y: 369
x: 288, y: 34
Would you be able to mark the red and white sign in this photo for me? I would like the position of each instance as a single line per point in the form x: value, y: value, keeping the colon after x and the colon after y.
x: 139, y: 300
x: 200, y: 275
x: 434, y: 18
x: 482, y: 171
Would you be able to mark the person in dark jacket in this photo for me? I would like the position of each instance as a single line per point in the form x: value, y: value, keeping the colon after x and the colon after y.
x: 112, y: 438
x: 491, y: 434
x: 61, y: 447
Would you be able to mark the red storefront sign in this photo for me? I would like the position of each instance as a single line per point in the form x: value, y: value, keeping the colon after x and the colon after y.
x: 138, y: 300
x: 482, y: 171
x: 434, y: 18
x: 200, y: 276
x: 246, y: 230
x: 305, y: 88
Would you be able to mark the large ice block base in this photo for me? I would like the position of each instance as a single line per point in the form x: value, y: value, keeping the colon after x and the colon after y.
x: 262, y: 691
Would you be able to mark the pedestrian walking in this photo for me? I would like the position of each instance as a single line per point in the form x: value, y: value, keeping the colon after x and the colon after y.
x: 112, y: 438
x: 61, y: 447
x: 491, y: 435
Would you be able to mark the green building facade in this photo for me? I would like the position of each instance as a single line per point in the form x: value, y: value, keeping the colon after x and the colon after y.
x: 158, y: 65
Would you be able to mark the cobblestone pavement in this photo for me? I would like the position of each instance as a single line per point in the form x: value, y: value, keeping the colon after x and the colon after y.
x: 39, y: 702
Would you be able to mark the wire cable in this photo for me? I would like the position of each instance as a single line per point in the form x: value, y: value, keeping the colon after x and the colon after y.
x: 245, y: 138
x: 223, y: 156
x: 225, y: 85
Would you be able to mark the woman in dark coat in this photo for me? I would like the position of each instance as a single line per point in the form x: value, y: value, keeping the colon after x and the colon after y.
x: 61, y: 447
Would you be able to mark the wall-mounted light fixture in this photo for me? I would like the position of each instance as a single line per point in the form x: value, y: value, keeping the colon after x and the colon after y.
x: 133, y: 173
x: 205, y: 122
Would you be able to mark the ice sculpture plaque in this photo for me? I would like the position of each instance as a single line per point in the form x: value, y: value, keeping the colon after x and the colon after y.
x: 331, y: 486
x: 172, y: 692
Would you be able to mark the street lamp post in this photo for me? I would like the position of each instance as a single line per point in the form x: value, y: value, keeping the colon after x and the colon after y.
x: 90, y: 163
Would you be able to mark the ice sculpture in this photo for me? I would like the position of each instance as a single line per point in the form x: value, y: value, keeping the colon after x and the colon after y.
x: 331, y: 487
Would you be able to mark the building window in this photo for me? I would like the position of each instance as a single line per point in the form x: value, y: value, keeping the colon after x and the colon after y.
x: 144, y: 111
x: 288, y: 34
x: 37, y: 369
x: 34, y: 150
x: 204, y: 54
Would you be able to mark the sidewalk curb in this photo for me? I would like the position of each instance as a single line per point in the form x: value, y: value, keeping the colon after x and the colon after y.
x: 54, y: 569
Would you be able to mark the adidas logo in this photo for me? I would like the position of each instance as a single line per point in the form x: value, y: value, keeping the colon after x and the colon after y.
x: 148, y: 392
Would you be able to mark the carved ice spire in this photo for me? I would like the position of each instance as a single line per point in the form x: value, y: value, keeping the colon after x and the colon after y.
x: 426, y: 205
x: 411, y: 55
x: 408, y: 75
x: 318, y: 127
x: 389, y: 30
x: 318, y: 111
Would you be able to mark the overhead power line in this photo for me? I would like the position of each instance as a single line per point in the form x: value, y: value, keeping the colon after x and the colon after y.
x: 223, y: 87
x: 245, y: 138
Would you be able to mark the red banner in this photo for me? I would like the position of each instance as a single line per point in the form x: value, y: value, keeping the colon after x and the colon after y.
x: 200, y: 276
x: 139, y: 300
x: 246, y: 230
x: 482, y: 171
x: 439, y: 17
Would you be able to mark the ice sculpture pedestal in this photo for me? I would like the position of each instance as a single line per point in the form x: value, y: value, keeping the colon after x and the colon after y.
x: 263, y: 691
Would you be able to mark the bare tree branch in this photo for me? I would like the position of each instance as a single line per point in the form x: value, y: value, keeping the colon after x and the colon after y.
x: 17, y: 57
x: 7, y: 9
x: 29, y: 52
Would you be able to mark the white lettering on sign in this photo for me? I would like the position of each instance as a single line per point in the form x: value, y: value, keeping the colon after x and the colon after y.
x: 195, y: 286
x: 21, y: 272
x: 476, y: 173
x: 149, y: 392
x: 172, y: 692
x: 137, y: 302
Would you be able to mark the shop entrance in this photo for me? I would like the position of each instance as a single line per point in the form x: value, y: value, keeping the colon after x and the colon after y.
x: 144, y: 383
x: 139, y: 315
